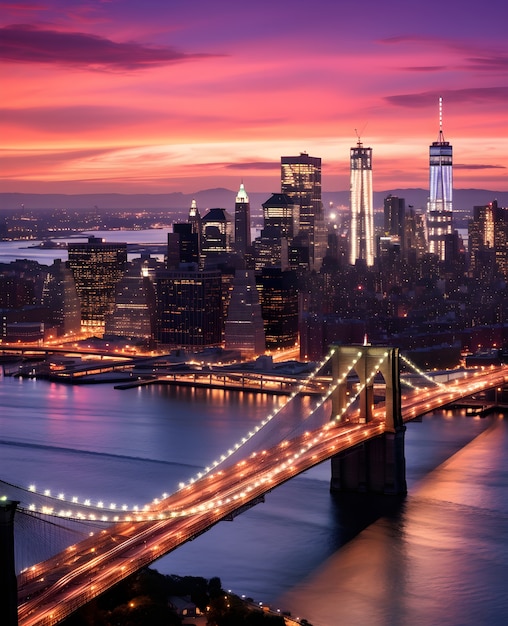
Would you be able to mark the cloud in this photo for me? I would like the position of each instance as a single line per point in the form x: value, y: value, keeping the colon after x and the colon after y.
x: 496, y: 63
x: 425, y: 68
x: 254, y: 165
x: 51, y: 156
x: 61, y: 120
x: 23, y: 43
x: 398, y: 39
x: 426, y: 98
x: 477, y: 166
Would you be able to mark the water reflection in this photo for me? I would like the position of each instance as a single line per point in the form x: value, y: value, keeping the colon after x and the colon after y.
x: 440, y: 557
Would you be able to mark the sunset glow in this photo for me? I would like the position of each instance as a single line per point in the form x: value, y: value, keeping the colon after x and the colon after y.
x: 159, y: 96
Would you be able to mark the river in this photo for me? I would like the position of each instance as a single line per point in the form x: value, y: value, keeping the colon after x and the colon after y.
x: 440, y: 556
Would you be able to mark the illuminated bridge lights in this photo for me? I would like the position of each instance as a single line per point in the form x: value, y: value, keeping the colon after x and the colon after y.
x: 477, y: 381
x: 270, y: 417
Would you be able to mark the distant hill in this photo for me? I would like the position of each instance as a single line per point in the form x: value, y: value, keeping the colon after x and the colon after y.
x: 464, y: 199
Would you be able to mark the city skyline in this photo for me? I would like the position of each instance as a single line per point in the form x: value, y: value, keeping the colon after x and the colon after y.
x: 119, y: 97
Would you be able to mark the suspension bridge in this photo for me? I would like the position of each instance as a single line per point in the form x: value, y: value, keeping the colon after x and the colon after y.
x: 358, y: 422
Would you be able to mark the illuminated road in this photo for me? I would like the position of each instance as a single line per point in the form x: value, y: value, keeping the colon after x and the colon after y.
x: 50, y: 591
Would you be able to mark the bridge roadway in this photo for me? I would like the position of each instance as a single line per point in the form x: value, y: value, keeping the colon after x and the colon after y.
x: 50, y: 591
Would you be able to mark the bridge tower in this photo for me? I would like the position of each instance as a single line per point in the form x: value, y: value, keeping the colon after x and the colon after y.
x: 377, y: 465
x: 8, y: 583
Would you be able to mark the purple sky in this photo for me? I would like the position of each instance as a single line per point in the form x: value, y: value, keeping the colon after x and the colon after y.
x: 181, y: 95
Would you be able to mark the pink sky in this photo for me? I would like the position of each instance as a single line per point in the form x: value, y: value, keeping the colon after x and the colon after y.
x: 181, y: 95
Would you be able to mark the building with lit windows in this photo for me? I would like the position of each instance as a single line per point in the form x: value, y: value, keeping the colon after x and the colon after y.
x: 278, y: 295
x: 134, y: 311
x: 361, y: 234
x: 415, y: 241
x: 242, y: 222
x: 281, y: 214
x: 439, y: 207
x: 394, y: 212
x: 488, y: 241
x: 244, y: 330
x: 217, y: 232
x: 188, y: 307
x: 195, y: 218
x: 60, y: 297
x: 301, y: 181
x: 97, y: 266
x: 183, y: 245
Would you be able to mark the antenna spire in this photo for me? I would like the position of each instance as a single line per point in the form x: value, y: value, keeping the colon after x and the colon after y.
x: 441, y: 136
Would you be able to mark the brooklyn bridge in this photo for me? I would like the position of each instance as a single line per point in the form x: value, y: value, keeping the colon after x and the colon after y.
x: 357, y: 421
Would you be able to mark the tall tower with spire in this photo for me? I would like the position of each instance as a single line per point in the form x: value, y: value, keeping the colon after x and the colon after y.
x: 195, y: 217
x: 439, y: 207
x: 242, y: 221
x: 361, y: 235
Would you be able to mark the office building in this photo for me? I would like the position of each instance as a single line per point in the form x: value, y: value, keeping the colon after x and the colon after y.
x: 242, y: 222
x: 415, y: 241
x: 97, y: 266
x: 301, y: 181
x: 216, y: 232
x: 488, y: 241
x: 194, y: 218
x: 394, y: 220
x: 281, y: 214
x: 244, y: 330
x: 60, y: 297
x: 188, y: 307
x: 439, y: 207
x: 16, y: 291
x: 361, y: 234
x: 278, y: 295
x: 134, y: 310
x: 183, y: 245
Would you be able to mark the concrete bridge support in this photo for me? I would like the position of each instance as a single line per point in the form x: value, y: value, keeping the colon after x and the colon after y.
x: 8, y: 584
x: 377, y: 465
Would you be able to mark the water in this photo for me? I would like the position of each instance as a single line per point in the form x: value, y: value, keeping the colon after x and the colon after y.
x: 438, y: 557
x: 12, y: 250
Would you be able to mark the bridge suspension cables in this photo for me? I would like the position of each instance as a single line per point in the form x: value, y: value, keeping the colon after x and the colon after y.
x: 294, y: 416
x: 421, y: 373
x: 305, y: 414
x: 38, y: 536
x: 289, y: 423
x: 270, y: 432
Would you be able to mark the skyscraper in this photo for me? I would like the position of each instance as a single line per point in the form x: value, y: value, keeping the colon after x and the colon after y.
x: 278, y: 296
x: 279, y: 213
x: 195, y: 218
x: 97, y: 267
x: 361, y: 235
x: 60, y: 296
x: 488, y: 241
x: 244, y: 330
x: 301, y: 181
x: 242, y: 221
x: 134, y: 310
x: 394, y: 220
x: 183, y: 245
x: 439, y: 207
x: 188, y: 307
x: 216, y: 232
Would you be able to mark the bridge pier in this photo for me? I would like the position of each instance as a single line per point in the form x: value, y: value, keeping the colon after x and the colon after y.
x: 377, y: 465
x: 8, y: 583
